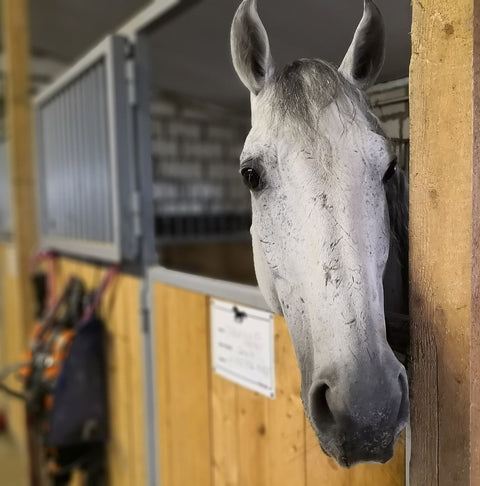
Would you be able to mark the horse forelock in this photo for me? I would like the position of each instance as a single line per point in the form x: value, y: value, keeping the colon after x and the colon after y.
x: 302, y: 90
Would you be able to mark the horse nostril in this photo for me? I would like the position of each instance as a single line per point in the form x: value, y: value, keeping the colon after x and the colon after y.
x: 319, y: 408
x: 403, y: 411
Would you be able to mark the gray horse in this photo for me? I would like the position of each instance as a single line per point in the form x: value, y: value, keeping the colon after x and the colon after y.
x: 319, y: 169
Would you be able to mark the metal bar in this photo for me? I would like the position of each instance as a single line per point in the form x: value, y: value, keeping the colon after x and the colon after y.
x: 143, y: 138
x: 98, y: 194
x: 114, y: 153
x: 72, y: 73
x: 146, y: 17
x: 149, y: 372
x: 82, y: 159
x: 105, y: 233
x: 143, y: 151
x: 75, y: 147
x: 98, y: 250
x: 125, y: 183
x: 394, y: 101
x: 90, y: 155
x: 242, y: 294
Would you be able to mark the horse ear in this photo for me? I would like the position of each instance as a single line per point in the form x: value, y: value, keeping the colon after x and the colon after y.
x: 364, y: 59
x: 250, y: 47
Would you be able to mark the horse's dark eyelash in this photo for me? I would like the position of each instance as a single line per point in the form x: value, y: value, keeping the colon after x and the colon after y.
x: 252, y: 163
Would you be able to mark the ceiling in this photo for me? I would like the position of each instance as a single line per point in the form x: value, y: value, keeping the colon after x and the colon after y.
x: 190, y: 53
x: 65, y: 29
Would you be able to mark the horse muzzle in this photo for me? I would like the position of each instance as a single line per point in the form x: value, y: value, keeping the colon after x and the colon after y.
x: 359, y: 418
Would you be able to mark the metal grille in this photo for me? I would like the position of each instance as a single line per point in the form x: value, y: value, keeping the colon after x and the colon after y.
x: 5, y: 217
x: 86, y: 176
x: 78, y: 192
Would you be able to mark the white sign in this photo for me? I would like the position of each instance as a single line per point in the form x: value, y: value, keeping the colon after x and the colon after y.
x: 243, y: 346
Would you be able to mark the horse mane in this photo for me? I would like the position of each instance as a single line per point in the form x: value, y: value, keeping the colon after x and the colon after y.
x: 396, y: 190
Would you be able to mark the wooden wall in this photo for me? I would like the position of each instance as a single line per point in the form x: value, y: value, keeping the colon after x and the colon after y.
x: 213, y: 432
x: 120, y: 310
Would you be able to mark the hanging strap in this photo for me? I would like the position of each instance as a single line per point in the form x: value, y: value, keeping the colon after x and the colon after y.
x: 97, y: 297
x: 47, y: 257
x: 49, y: 319
x: 10, y: 391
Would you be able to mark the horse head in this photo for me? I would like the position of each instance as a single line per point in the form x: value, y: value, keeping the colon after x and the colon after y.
x: 317, y: 164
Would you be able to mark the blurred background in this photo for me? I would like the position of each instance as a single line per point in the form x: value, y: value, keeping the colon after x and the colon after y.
x: 132, y: 158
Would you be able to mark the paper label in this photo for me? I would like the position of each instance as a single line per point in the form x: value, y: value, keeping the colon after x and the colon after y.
x: 243, y: 348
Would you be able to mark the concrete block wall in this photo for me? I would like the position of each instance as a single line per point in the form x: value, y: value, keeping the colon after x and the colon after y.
x: 195, y: 156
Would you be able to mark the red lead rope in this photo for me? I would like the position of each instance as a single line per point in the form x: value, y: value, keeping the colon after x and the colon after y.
x: 52, y: 303
x: 107, y: 279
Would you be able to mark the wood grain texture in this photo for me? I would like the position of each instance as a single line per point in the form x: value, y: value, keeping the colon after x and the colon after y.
x: 12, y: 338
x: 441, y: 80
x: 16, y: 43
x: 258, y: 441
x: 183, y: 386
x: 120, y: 309
x: 254, y: 440
x: 226, y: 467
x: 286, y: 418
x: 253, y: 454
x: 475, y: 330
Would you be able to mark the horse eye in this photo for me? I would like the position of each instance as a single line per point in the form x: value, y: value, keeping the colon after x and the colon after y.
x: 392, y: 168
x: 251, y: 178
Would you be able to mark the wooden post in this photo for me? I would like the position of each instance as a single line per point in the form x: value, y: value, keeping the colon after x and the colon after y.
x: 19, y: 135
x: 444, y: 264
x: 475, y: 330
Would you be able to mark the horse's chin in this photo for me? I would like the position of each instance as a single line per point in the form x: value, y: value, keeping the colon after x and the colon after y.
x: 359, y: 457
x: 347, y: 455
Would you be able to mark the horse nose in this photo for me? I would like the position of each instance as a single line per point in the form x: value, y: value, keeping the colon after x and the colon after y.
x: 360, y: 421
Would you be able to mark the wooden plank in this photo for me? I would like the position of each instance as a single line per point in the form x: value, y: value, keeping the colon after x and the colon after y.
x: 286, y: 419
x: 259, y: 441
x: 252, y: 436
x: 390, y: 474
x: 441, y: 80
x: 126, y: 459
x: 183, y: 377
x: 255, y: 440
x: 225, y: 432
x: 475, y: 331
x: 14, y: 339
x: 320, y: 469
x: 121, y: 400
